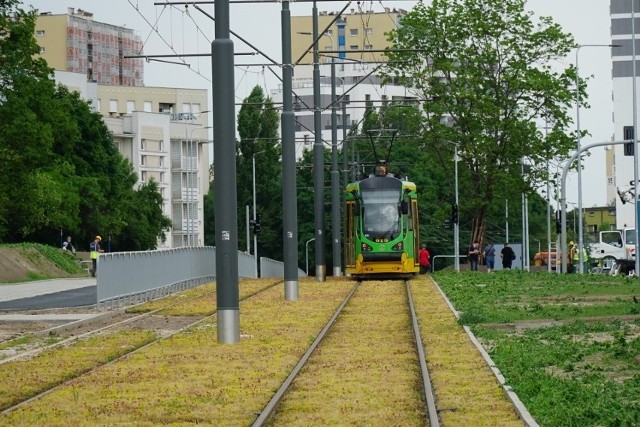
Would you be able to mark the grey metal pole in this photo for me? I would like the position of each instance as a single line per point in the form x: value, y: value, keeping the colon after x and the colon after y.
x: 635, y: 134
x: 527, y: 250
x: 226, y: 209
x: 255, y: 216
x: 306, y: 251
x: 563, y: 197
x: 318, y: 157
x: 335, y: 179
x: 580, y: 230
x: 549, y: 223
x: 247, y: 228
x: 289, y: 194
x: 506, y: 220
x: 456, y: 227
x: 345, y: 160
x: 580, y: 241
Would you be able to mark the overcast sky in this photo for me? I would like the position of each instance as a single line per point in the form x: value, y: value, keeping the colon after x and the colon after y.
x: 166, y: 30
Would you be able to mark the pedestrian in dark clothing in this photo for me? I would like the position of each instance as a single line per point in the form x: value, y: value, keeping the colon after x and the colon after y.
x: 507, y: 255
x: 490, y: 256
x: 474, y: 255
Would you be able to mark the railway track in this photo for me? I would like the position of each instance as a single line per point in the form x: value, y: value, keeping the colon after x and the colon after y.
x: 163, y: 327
x: 359, y: 318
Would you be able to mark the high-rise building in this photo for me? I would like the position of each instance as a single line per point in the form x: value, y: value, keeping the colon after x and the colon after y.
x: 76, y: 43
x: 350, y: 37
x: 622, y: 72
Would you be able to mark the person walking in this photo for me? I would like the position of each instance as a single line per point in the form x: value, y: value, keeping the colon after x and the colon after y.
x: 95, y: 249
x: 490, y: 256
x: 507, y: 256
x: 573, y: 258
x: 425, y: 259
x: 474, y: 255
x: 68, y: 246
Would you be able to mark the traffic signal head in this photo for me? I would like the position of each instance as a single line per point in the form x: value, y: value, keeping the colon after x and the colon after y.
x: 454, y: 214
x: 256, y: 224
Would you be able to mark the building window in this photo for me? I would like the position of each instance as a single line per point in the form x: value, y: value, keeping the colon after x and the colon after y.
x: 161, y: 176
x: 186, y: 108
x: 329, y: 32
x: 368, y: 47
x: 39, y: 33
x: 148, y: 107
x: 143, y: 143
x: 353, y: 47
x: 42, y: 49
x: 98, y: 105
x: 113, y: 105
x: 143, y: 176
x: 368, y: 31
x: 131, y: 106
x: 353, y: 32
x: 143, y: 160
x: 195, y: 109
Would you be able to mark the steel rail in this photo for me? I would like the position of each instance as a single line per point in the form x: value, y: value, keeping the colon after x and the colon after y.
x: 427, y: 387
x: 134, y: 351
x: 271, y: 406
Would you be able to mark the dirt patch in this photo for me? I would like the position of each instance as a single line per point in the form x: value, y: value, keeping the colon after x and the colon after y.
x: 18, y: 265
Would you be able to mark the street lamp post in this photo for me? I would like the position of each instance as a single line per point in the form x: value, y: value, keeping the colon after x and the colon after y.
x: 306, y: 251
x: 335, y: 174
x: 456, y: 228
x: 255, y: 216
x: 580, y: 233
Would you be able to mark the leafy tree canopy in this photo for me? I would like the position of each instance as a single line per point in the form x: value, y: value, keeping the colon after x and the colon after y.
x: 59, y: 167
x: 482, y: 69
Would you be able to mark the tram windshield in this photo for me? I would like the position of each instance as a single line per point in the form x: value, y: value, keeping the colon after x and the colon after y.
x: 381, y: 216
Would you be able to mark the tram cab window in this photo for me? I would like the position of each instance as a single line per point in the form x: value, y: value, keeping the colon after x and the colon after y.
x: 381, y: 216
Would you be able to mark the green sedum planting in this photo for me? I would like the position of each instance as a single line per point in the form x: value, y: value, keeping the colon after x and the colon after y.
x: 568, y: 345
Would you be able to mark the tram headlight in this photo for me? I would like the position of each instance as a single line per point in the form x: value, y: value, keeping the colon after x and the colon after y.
x: 366, y: 248
x: 399, y: 247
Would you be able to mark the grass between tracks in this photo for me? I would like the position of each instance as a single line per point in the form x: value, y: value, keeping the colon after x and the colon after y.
x: 190, y: 377
x: 466, y: 391
x: 366, y: 369
x: 568, y: 345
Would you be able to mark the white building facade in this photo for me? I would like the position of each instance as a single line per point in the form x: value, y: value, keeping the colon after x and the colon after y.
x: 357, y: 81
x: 622, y: 174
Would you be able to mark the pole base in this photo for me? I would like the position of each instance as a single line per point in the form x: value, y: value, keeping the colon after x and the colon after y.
x: 228, y: 326
x: 291, y: 290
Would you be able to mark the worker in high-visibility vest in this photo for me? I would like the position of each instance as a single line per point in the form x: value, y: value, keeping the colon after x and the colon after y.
x: 95, y: 249
x: 576, y: 259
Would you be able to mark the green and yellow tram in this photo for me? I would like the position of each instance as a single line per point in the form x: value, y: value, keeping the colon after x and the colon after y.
x: 381, y: 229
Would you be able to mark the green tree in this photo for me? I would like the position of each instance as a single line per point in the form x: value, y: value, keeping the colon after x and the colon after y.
x: 258, y: 125
x: 145, y: 222
x: 59, y: 166
x: 483, y: 71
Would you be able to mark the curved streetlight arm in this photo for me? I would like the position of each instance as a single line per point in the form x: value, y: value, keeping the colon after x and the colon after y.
x: 563, y: 197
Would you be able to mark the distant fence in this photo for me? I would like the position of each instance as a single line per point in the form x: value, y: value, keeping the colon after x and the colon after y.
x: 127, y: 277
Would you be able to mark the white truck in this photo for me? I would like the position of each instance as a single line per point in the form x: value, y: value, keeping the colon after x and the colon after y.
x: 615, y: 245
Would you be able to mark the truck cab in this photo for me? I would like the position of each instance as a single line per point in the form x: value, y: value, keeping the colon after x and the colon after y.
x: 614, y: 245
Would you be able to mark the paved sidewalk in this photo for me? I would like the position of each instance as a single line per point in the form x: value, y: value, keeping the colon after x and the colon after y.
x: 15, y: 291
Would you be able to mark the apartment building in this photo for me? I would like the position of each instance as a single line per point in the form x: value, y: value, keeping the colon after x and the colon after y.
x: 162, y: 131
x: 349, y: 35
x: 76, y: 43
